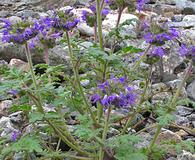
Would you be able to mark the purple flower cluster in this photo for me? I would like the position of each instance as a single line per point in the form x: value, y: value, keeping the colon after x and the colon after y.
x: 158, y: 51
x: 159, y: 39
x: 18, y: 35
x: 115, y: 93
x: 15, y: 135
x: 187, y: 51
x: 90, y: 17
x: 39, y: 30
x: 140, y: 4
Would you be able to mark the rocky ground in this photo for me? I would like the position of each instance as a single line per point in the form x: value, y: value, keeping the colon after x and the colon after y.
x: 177, y: 13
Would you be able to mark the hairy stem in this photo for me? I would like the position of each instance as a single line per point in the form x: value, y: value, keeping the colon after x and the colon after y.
x: 171, y: 106
x: 77, y: 79
x: 105, y: 131
x: 29, y: 59
x: 141, y: 59
x: 99, y: 24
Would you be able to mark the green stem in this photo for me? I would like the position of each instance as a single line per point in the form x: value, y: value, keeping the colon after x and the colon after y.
x: 171, y: 105
x: 137, y: 64
x: 95, y: 32
x: 105, y: 131
x: 73, y: 145
x: 99, y: 24
x: 77, y: 79
x: 29, y: 59
x: 155, y: 138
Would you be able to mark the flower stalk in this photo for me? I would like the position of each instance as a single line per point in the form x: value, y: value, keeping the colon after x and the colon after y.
x: 171, y: 106
x: 29, y: 59
x: 99, y: 24
x: 105, y: 132
x: 77, y: 79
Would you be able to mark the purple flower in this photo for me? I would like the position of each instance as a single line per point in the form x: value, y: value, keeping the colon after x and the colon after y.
x: 122, y: 79
x: 140, y: 4
x: 70, y: 24
x: 95, y: 98
x: 105, y: 11
x: 7, y: 23
x: 13, y: 92
x: 116, y: 93
x: 104, y: 85
x: 158, y: 51
x: 84, y: 15
x: 173, y: 32
x: 93, y: 8
x: 14, y: 135
x: 148, y: 37
x: 183, y: 51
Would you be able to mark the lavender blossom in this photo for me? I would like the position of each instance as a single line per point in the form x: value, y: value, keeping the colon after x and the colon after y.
x: 14, y: 135
x: 115, y: 93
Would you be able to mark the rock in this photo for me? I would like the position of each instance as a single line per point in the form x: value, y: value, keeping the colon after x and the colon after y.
x: 182, y: 121
x: 181, y: 133
x: 187, y: 6
x: 5, y: 105
x: 6, y: 126
x: 4, y: 13
x: 146, y: 138
x: 168, y: 135
x: 19, y: 64
x: 174, y: 85
x: 191, y: 117
x: 177, y: 18
x: 15, y: 19
x: 193, y: 123
x: 183, y: 111
x: 189, y: 18
x: 191, y: 90
x: 16, y: 117
x: 186, y: 156
x: 59, y: 55
x: 181, y: 24
x: 85, y: 82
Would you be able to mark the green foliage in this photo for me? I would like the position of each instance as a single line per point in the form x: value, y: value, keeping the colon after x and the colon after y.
x: 164, y: 118
x: 29, y: 144
x: 124, y: 148
x: 186, y: 102
x: 84, y: 130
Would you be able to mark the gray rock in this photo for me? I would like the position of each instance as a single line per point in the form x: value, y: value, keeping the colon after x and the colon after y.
x: 184, y: 111
x: 6, y: 126
x: 16, y: 117
x: 193, y: 123
x: 191, y: 90
x: 191, y: 117
x: 186, y: 156
x: 85, y: 82
x: 177, y: 18
x: 181, y: 24
x: 182, y: 121
x: 145, y: 140
x: 15, y: 19
x: 189, y: 18
x: 4, y: 13
x: 5, y: 105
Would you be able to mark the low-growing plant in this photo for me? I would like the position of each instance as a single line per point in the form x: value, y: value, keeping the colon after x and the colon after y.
x: 110, y: 88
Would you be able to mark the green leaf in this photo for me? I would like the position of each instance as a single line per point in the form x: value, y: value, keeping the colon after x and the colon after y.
x: 15, y: 108
x: 165, y: 119
x: 131, y: 49
x: 35, y: 116
x: 27, y: 143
